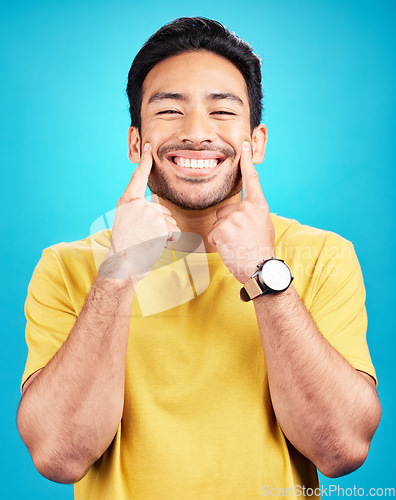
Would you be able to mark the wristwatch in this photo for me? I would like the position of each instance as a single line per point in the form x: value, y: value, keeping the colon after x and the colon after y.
x: 272, y: 276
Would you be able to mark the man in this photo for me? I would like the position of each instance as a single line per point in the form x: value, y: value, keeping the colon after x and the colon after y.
x: 214, y: 397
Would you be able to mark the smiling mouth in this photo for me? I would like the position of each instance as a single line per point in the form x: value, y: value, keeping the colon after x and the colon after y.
x: 195, y: 163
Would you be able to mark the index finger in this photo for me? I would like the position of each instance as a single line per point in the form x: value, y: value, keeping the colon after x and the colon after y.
x: 250, y: 180
x: 138, y: 183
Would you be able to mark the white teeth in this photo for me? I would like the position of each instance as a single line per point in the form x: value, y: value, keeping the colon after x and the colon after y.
x: 195, y: 162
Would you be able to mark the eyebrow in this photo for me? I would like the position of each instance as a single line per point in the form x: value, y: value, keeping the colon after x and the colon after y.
x: 217, y: 96
x: 177, y: 96
x: 162, y: 96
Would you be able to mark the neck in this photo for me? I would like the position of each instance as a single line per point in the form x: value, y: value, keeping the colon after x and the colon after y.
x: 198, y: 221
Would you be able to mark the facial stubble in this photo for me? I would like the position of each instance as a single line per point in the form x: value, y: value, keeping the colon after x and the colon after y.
x: 159, y: 184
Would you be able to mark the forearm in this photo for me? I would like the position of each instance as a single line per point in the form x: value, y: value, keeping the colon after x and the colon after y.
x: 70, y: 413
x: 325, y: 407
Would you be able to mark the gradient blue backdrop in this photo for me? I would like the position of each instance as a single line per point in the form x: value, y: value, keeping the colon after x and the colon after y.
x: 329, y: 73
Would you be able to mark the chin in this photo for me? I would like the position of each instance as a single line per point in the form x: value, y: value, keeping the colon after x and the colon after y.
x: 200, y: 200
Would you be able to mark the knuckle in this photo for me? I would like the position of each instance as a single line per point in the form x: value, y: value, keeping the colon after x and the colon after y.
x: 246, y: 206
x: 141, y: 203
x: 219, y: 211
x: 171, y: 220
x: 137, y: 173
x: 254, y: 175
x: 160, y: 209
x: 226, y: 228
x: 221, y: 228
x: 263, y: 205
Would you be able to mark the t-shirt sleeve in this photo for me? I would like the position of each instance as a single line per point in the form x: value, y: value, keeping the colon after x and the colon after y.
x: 338, y: 304
x: 50, y: 314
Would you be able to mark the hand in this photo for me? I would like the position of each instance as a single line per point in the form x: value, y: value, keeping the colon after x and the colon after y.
x: 141, y: 229
x: 244, y: 233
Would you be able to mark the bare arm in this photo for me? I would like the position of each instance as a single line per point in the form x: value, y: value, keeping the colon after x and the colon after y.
x: 328, y: 410
x: 71, y: 409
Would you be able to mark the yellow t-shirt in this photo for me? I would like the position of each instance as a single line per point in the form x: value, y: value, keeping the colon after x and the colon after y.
x: 198, y: 423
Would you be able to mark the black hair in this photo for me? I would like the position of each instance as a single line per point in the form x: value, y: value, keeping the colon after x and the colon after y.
x: 190, y: 34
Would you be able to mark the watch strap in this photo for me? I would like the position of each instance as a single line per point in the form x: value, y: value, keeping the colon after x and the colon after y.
x: 250, y: 290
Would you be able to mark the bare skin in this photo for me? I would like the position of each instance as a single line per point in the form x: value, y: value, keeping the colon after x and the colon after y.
x: 328, y: 410
x: 193, y: 104
x: 67, y: 430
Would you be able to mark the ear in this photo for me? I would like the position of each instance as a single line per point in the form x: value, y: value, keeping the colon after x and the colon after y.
x: 259, y: 142
x: 134, y: 144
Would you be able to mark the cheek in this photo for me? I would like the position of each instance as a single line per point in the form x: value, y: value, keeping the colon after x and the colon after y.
x: 157, y: 134
x: 152, y: 134
x: 235, y: 136
x: 234, y: 133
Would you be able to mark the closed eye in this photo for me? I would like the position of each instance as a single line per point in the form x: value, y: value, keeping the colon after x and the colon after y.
x: 168, y: 111
x: 223, y: 113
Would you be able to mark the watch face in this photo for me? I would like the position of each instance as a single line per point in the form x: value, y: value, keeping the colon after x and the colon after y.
x: 275, y: 275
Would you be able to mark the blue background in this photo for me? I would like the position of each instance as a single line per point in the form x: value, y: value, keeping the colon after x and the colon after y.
x: 328, y: 76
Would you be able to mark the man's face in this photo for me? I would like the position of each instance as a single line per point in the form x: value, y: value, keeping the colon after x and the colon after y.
x: 195, y: 114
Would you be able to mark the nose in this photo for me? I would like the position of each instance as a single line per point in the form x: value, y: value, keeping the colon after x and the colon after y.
x: 196, y: 128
